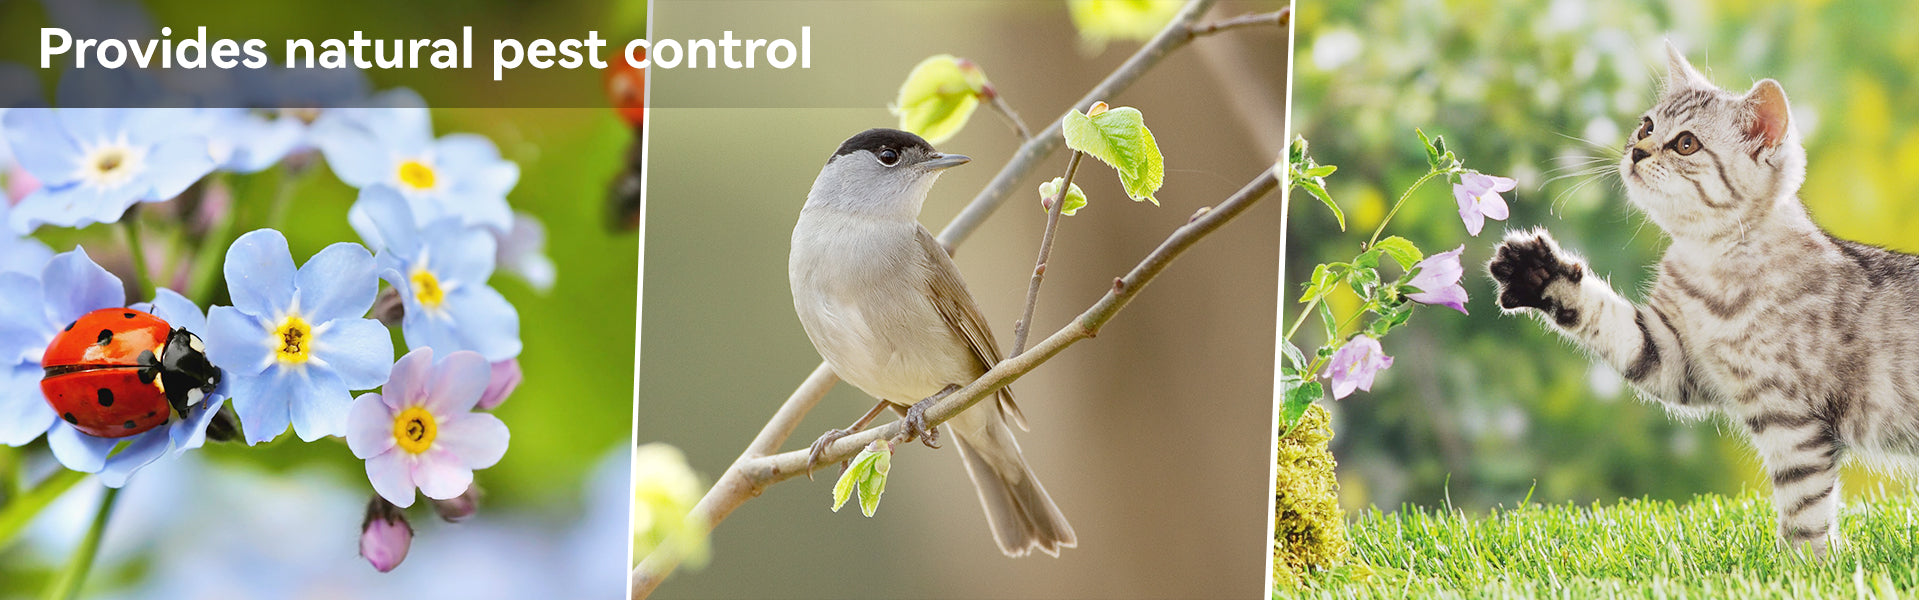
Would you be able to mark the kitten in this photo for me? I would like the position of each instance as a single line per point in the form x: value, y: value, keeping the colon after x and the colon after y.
x: 1805, y: 341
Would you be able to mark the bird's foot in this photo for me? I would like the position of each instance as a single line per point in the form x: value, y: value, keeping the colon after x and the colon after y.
x: 819, y: 448
x: 916, y: 419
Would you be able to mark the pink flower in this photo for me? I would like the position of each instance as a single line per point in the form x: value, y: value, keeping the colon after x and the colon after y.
x: 1479, y: 198
x: 1439, y: 281
x: 420, y: 431
x: 1355, y: 364
x: 385, y: 535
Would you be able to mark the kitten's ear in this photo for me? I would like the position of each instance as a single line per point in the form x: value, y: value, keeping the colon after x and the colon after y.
x: 1680, y: 73
x: 1771, y: 117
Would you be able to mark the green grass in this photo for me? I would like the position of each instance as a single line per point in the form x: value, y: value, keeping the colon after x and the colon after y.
x: 1710, y: 547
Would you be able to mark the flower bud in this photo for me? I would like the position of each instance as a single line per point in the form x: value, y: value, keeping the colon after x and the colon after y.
x: 461, y: 507
x: 505, y: 377
x: 384, y: 535
x: 389, y: 308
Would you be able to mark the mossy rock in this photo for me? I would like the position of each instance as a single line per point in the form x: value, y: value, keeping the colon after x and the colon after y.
x: 1309, y: 531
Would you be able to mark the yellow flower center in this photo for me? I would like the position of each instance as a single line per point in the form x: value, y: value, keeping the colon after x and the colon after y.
x: 426, y: 288
x: 296, y: 340
x: 110, y: 164
x: 414, y: 430
x: 416, y: 175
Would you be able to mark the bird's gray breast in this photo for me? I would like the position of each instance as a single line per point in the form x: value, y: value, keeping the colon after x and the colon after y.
x: 860, y: 289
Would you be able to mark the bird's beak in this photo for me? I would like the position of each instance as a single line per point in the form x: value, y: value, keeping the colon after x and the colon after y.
x: 945, y: 161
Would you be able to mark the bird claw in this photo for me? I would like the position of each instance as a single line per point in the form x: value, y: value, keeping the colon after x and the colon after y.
x: 819, y: 448
x: 916, y: 423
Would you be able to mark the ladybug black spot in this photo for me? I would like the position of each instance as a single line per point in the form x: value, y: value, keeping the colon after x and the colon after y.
x: 152, y: 413
x: 70, y: 419
x: 147, y: 375
x: 130, y: 424
x: 106, y: 397
x: 106, y: 336
x: 70, y: 326
x: 126, y: 315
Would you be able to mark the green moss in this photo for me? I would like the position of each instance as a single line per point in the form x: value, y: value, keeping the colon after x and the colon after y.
x: 1309, y: 534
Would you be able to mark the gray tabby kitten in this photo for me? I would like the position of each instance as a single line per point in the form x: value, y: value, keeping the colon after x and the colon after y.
x: 1805, y: 341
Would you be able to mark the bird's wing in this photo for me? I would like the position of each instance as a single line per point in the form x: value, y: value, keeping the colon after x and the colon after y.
x: 949, y: 296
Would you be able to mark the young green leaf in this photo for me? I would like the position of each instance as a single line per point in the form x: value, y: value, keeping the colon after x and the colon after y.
x: 1401, y: 250
x: 1294, y: 357
x: 939, y: 96
x: 1433, y: 155
x: 1119, y: 137
x: 1299, y: 395
x: 867, y: 475
x: 1319, y: 190
x: 1076, y: 199
x: 1324, y: 278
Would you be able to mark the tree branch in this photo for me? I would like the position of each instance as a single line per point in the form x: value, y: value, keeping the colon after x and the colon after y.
x: 1055, y: 205
x: 754, y: 471
x: 1278, y: 18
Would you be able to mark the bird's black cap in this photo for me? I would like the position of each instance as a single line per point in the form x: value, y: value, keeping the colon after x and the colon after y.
x: 872, y: 140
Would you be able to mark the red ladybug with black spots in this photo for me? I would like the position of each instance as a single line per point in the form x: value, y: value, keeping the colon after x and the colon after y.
x: 117, y: 372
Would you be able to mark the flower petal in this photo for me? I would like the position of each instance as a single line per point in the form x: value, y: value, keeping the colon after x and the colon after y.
x: 79, y: 451
x: 487, y: 323
x: 369, y: 426
x: 479, y: 439
x: 392, y: 478
x: 390, y: 224
x: 24, y: 413
x: 407, y: 386
x: 175, y: 164
x: 24, y: 328
x: 261, y: 403
x: 260, y: 273
x: 144, y: 448
x: 319, y: 405
x: 75, y: 286
x: 237, y: 342
x: 458, y: 381
x: 41, y: 144
x: 1493, y: 206
x: 177, y: 310
x: 337, y: 283
x: 359, y: 352
x: 459, y: 254
x: 191, y: 432
x: 440, y: 474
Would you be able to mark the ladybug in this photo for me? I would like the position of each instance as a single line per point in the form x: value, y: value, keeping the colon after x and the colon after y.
x: 117, y: 372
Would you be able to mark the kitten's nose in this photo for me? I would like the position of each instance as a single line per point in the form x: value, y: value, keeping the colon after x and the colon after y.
x: 1639, y: 154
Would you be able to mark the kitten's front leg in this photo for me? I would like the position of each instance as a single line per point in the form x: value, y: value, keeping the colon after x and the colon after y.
x: 1534, y: 273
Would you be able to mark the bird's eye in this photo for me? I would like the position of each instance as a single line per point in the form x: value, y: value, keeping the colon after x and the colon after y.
x: 1646, y: 128
x: 888, y: 157
x: 1685, y: 143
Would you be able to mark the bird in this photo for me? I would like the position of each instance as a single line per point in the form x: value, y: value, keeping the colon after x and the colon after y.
x: 885, y: 306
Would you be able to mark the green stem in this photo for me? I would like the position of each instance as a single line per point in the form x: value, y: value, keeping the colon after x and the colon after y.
x: 1397, y: 203
x: 67, y: 586
x: 1303, y: 317
x: 142, y: 281
x: 282, y: 196
x: 21, y: 510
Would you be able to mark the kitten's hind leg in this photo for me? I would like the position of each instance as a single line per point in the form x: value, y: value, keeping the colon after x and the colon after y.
x: 1802, y: 453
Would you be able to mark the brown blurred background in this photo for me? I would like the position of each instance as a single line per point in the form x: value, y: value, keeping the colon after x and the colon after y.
x: 1153, y: 438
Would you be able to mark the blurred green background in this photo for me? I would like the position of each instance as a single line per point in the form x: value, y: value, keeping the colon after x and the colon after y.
x: 574, y: 405
x: 1153, y: 438
x: 1479, y: 410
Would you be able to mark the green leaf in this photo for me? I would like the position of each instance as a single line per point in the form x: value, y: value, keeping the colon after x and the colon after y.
x: 1320, y: 170
x: 1401, y: 250
x: 1324, y: 278
x: 938, y: 97
x: 867, y: 475
x: 1076, y: 199
x: 1332, y: 327
x: 1363, y: 281
x: 1299, y: 395
x: 1294, y: 357
x: 1319, y: 190
x: 1119, y: 137
x: 1100, y: 21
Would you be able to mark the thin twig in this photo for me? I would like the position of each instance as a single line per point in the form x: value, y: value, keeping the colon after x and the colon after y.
x: 999, y: 105
x: 1278, y: 18
x: 1054, y: 206
x: 752, y: 473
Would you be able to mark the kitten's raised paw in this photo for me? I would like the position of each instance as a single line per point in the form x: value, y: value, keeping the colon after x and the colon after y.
x: 1525, y: 265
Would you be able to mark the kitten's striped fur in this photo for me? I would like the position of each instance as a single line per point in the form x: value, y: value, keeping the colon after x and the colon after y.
x: 1805, y: 341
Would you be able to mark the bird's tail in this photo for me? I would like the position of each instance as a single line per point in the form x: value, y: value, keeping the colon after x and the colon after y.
x: 1022, y: 516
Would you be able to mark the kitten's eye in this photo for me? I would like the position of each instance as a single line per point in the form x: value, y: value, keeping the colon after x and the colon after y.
x: 1646, y: 128
x: 888, y: 157
x: 1685, y: 143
